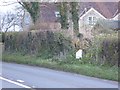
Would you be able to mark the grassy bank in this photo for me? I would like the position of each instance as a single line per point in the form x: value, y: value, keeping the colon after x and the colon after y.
x: 103, y: 72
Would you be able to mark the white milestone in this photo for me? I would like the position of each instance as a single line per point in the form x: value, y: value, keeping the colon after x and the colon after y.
x: 79, y: 54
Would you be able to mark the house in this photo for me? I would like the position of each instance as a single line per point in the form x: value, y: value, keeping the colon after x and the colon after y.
x: 113, y: 24
x: 89, y: 14
x: 49, y: 16
x: 117, y: 16
x: 49, y: 12
x: 92, y: 12
x: 106, y: 26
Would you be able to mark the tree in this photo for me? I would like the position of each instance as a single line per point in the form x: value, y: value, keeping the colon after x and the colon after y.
x: 33, y: 8
x: 7, y: 21
x: 63, y: 13
x: 69, y: 12
x: 75, y: 16
x: 11, y: 21
x: 23, y: 18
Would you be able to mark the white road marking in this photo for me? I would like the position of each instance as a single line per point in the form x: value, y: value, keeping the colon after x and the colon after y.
x: 21, y: 81
x: 16, y: 83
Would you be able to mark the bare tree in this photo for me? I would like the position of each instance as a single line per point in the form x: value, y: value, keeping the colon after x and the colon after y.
x: 20, y: 18
x: 23, y: 17
x: 33, y: 8
x: 7, y: 21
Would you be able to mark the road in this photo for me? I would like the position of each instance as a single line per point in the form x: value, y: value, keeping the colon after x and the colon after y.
x: 23, y: 76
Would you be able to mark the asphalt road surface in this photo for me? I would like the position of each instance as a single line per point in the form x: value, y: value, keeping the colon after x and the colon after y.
x: 23, y: 76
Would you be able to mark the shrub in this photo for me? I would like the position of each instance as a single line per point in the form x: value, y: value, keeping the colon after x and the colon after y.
x: 43, y: 44
x: 104, y: 50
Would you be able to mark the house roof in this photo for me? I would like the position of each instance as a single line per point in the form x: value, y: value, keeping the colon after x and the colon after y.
x: 91, y: 10
x: 47, y: 12
x: 117, y: 14
x: 107, y: 9
x: 118, y: 11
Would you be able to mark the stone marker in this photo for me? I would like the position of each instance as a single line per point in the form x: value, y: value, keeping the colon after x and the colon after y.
x: 79, y: 54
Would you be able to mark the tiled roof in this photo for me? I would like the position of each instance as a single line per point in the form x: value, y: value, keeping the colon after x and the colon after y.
x: 48, y: 12
x: 107, y: 9
x: 118, y: 11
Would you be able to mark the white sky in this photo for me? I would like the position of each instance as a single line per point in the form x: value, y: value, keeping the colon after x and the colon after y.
x: 7, y: 6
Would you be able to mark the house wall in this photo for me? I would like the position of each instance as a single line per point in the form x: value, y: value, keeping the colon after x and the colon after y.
x: 84, y: 26
x: 85, y: 19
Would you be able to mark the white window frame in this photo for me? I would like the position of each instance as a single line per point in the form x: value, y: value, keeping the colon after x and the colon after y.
x: 57, y: 14
x: 92, y: 21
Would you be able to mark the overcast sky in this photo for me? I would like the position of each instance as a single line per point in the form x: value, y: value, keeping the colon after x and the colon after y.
x: 8, y: 5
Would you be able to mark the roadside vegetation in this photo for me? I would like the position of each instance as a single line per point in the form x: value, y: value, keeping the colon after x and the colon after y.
x: 55, y: 51
x: 105, y: 72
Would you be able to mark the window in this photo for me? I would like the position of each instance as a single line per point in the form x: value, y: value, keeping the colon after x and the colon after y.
x: 92, y: 20
x: 57, y: 14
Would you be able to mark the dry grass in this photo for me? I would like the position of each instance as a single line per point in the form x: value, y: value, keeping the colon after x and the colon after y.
x: 45, y: 26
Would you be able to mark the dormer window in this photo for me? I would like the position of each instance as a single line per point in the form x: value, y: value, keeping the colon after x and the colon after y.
x: 57, y: 14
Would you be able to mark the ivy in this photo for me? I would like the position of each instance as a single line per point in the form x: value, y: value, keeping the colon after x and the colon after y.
x: 75, y: 16
x: 63, y: 13
x: 33, y: 8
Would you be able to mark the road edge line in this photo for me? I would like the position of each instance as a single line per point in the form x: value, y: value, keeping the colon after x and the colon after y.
x: 16, y: 83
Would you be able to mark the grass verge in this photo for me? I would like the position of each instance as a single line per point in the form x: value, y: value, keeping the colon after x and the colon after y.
x: 104, y: 72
